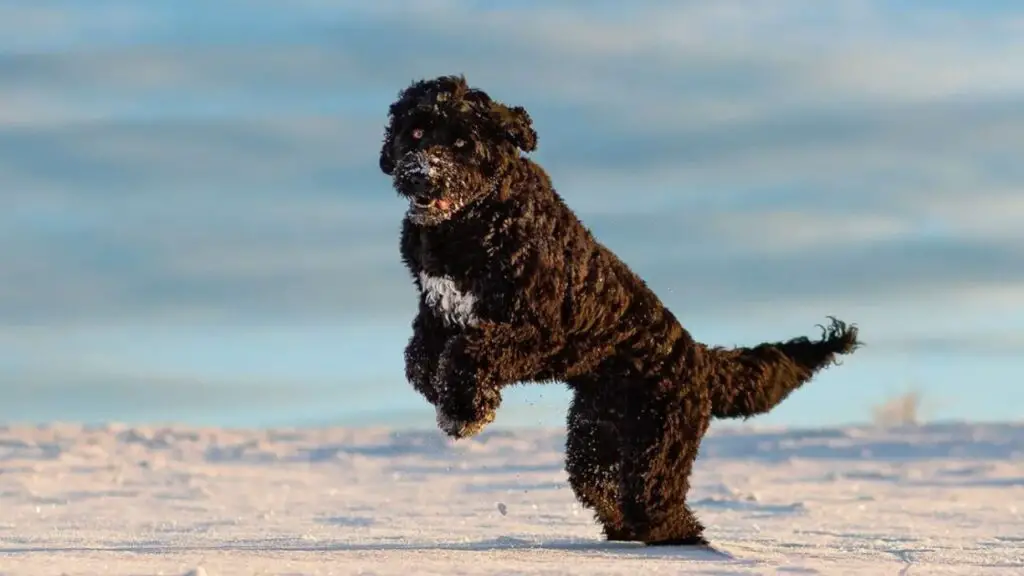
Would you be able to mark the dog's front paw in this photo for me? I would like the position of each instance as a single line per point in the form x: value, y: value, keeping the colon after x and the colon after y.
x: 466, y: 403
x: 419, y: 369
x: 458, y: 428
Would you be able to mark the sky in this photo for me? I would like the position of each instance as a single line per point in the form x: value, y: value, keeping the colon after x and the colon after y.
x: 195, y: 230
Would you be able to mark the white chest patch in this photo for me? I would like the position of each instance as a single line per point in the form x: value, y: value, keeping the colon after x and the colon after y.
x: 452, y: 305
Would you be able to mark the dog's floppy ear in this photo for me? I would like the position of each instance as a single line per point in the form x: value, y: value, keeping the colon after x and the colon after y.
x: 387, y: 160
x: 396, y: 111
x: 516, y: 125
x: 399, y: 108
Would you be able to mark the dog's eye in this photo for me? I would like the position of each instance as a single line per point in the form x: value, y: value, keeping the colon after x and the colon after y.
x: 417, y: 133
x: 460, y: 143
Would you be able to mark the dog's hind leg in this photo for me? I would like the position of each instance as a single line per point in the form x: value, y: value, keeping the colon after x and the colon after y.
x: 663, y: 426
x: 745, y: 382
x: 592, y: 454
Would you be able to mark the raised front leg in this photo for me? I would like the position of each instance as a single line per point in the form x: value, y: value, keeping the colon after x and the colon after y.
x: 474, y: 367
x: 422, y: 353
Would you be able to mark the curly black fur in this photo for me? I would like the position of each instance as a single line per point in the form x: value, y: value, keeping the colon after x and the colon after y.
x: 513, y: 287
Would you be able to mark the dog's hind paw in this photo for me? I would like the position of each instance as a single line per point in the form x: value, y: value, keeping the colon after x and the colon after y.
x: 459, y: 429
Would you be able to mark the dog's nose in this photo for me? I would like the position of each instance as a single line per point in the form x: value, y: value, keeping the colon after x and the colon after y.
x: 419, y: 178
x: 417, y: 171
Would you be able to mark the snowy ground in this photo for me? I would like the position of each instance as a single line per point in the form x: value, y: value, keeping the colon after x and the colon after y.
x: 935, y: 500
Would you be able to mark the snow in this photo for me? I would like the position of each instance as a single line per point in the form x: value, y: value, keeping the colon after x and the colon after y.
x: 939, y: 499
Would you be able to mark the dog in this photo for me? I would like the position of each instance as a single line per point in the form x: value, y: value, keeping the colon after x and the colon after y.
x: 514, y: 288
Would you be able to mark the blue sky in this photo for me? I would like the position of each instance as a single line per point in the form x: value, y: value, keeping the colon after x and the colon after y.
x: 195, y: 229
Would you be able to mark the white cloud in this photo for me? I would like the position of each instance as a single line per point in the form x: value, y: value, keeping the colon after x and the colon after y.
x: 992, y: 214
x: 789, y: 231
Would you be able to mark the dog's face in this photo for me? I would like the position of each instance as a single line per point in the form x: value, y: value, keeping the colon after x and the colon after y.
x: 446, y: 146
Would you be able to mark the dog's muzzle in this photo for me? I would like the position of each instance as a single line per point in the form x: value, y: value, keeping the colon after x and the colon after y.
x: 424, y: 179
x: 416, y: 173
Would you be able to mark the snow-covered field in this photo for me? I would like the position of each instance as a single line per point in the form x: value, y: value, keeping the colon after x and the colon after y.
x: 943, y: 499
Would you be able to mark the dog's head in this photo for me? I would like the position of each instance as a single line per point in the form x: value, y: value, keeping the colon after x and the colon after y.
x: 446, y: 145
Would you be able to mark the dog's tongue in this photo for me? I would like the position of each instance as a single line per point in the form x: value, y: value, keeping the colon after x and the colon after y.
x: 442, y: 204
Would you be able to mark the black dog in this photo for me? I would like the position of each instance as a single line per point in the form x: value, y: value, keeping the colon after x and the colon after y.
x: 514, y: 288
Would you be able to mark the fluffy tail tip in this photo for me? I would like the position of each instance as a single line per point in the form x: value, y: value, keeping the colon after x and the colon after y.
x: 841, y: 337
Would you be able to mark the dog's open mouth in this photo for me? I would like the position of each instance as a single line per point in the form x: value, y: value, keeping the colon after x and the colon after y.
x: 432, y: 204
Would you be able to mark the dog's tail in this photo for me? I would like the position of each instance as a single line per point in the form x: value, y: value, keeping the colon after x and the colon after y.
x: 749, y: 381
